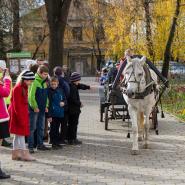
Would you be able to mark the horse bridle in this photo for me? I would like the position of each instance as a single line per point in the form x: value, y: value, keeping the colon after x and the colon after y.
x: 132, y: 81
x: 137, y: 95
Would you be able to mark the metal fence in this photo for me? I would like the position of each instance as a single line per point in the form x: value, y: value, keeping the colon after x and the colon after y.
x: 176, y: 71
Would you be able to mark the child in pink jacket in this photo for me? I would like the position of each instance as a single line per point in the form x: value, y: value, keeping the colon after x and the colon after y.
x: 5, y: 87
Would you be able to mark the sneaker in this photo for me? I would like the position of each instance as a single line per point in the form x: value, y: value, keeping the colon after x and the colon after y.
x: 3, y: 175
x: 31, y: 150
x: 74, y: 142
x: 55, y: 147
x: 6, y: 143
x: 60, y: 146
x: 42, y: 147
x: 77, y: 142
x: 70, y: 142
x: 63, y: 142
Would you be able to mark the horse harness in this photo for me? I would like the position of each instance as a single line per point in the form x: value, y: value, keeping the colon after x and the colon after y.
x: 149, y: 88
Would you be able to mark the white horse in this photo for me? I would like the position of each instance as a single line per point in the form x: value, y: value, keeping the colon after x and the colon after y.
x: 140, y: 97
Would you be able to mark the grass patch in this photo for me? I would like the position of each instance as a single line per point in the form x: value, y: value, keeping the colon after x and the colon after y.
x: 174, y: 100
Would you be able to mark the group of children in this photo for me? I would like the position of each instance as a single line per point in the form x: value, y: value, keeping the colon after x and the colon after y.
x: 36, y: 98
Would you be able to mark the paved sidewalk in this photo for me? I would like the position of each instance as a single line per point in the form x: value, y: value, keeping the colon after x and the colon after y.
x: 104, y: 157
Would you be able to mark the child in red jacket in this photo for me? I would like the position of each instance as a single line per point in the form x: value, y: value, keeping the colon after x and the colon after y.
x: 19, y: 116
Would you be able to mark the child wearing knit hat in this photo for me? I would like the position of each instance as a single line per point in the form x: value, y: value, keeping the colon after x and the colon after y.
x: 19, y: 116
x: 74, y: 107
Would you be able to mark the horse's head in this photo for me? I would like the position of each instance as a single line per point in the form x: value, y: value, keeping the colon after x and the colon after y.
x: 134, y: 76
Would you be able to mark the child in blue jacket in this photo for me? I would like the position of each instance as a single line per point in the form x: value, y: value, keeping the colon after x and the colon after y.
x: 65, y: 88
x: 56, y: 111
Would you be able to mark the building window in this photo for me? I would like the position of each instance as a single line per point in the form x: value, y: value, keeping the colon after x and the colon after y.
x: 77, y: 33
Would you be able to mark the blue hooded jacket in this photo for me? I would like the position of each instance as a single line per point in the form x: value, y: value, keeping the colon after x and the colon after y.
x: 65, y: 88
x: 55, y: 97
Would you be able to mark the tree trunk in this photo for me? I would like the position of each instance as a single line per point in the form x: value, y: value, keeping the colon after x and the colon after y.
x: 148, y: 20
x: 99, y: 57
x: 16, y: 25
x: 57, y: 13
x: 167, y: 53
x: 56, y: 48
x: 1, y: 37
x: 2, y: 48
x: 2, y: 31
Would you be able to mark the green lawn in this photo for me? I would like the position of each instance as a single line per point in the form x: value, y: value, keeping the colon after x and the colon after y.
x: 174, y: 99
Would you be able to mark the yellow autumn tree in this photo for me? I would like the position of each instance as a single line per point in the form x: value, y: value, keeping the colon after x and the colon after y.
x: 162, y: 16
x: 127, y: 27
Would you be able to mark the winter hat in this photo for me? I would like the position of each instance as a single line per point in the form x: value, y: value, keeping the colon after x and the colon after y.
x: 58, y: 71
x: 2, y: 64
x: 28, y: 75
x: 75, y: 77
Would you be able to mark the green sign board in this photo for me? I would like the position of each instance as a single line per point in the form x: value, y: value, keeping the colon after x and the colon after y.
x: 22, y: 54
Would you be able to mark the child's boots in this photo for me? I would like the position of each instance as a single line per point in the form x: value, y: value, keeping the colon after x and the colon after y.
x: 26, y: 156
x: 16, y: 155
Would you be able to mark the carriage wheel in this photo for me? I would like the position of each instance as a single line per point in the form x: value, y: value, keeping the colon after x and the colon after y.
x: 106, y: 117
x: 101, y: 112
x: 101, y: 116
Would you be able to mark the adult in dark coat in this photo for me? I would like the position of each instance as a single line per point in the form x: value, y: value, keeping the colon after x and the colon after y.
x: 67, y: 73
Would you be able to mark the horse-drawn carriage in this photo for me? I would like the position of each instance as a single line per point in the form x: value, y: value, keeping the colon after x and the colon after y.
x: 113, y: 106
x: 140, y: 90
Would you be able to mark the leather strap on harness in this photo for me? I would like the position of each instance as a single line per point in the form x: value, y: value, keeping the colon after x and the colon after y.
x: 149, y: 89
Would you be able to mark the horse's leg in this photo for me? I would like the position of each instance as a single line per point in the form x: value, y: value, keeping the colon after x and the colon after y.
x: 146, y: 130
x: 133, y: 114
x: 140, y: 125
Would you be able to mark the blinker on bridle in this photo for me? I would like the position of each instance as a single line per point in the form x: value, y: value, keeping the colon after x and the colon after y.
x: 132, y: 81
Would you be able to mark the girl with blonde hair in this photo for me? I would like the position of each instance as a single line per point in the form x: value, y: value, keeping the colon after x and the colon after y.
x: 19, y: 116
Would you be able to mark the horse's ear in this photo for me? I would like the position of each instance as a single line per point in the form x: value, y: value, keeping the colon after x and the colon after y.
x: 129, y: 59
x: 143, y: 60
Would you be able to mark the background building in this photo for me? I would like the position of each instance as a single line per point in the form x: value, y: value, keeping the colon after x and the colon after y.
x: 85, y: 40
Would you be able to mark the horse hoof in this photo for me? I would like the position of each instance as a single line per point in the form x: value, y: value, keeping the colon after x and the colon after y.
x: 140, y: 138
x: 145, y: 146
x: 134, y: 152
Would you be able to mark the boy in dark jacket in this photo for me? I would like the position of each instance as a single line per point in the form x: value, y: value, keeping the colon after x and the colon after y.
x: 74, y: 107
x: 56, y: 111
x: 38, y: 106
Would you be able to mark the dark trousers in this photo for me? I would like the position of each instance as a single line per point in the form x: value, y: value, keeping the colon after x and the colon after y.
x: 54, y: 130
x: 73, y: 126
x: 63, y: 127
